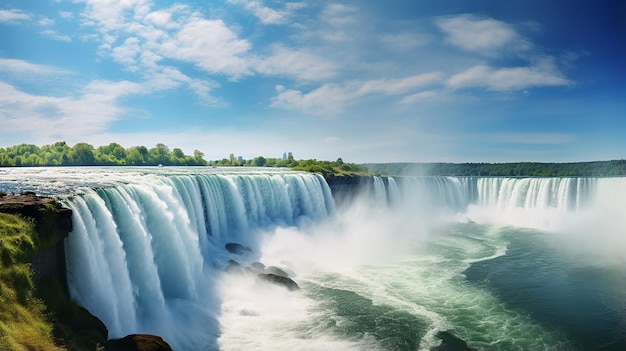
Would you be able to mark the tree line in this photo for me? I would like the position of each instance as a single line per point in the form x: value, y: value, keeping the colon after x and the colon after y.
x: 325, y: 168
x: 83, y: 154
x: 519, y: 169
x: 113, y: 154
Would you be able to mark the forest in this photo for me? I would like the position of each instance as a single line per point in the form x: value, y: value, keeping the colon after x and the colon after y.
x: 519, y: 169
x: 83, y: 154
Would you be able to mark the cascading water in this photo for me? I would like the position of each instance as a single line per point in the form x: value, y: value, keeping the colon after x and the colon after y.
x: 142, y: 257
x: 501, y: 263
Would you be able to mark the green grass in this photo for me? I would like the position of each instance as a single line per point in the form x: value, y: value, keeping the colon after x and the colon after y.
x: 24, y: 323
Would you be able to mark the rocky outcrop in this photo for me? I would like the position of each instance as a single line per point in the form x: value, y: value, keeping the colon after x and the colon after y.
x: 138, y: 342
x: 279, y: 280
x: 451, y: 342
x: 277, y: 271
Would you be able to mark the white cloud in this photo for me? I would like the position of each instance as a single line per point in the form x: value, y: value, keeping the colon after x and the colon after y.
x: 482, y: 35
x: 330, y: 99
x: 13, y: 16
x: 299, y: 64
x: 506, y: 79
x: 65, y: 14
x: 418, y: 97
x: 404, y: 42
x: 265, y: 14
x: 141, y: 38
x: 92, y: 111
x: 399, y: 85
x: 210, y: 45
x: 268, y: 15
x: 339, y: 15
x: 127, y: 52
x: 327, y: 100
x: 161, y: 18
x: 45, y: 22
x: 52, y: 34
x: 21, y: 67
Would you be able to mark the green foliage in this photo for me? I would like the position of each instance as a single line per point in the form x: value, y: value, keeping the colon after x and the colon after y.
x: 16, y: 243
x: 83, y: 154
x: 325, y: 168
x: 521, y: 169
x: 23, y: 318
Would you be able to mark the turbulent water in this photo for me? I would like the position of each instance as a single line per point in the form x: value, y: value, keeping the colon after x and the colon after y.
x: 496, y: 263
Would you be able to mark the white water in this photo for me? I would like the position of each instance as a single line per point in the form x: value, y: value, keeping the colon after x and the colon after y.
x: 144, y: 257
x: 147, y: 251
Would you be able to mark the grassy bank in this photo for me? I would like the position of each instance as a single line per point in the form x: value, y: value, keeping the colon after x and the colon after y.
x: 24, y: 323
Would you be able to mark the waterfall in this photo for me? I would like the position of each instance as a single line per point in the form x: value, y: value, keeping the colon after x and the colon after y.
x: 145, y: 254
x: 142, y: 256
x: 561, y: 193
x: 456, y: 193
x: 424, y: 193
x: 380, y: 195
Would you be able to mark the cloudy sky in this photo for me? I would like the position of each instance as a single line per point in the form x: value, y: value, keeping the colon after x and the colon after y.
x: 364, y: 80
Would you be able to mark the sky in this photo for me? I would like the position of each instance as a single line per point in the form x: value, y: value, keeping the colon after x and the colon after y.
x: 365, y: 81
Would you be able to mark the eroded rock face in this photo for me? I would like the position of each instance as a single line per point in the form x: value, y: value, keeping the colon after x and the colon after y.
x: 279, y: 280
x: 138, y: 342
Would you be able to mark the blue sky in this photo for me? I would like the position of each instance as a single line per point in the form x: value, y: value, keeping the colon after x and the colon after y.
x: 367, y: 81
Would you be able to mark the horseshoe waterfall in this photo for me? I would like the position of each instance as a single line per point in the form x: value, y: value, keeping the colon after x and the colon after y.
x: 404, y: 263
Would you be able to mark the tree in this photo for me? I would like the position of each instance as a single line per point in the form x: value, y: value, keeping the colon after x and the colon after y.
x: 178, y: 153
x: 83, y: 155
x: 137, y: 156
x: 259, y: 161
x: 160, y: 154
x: 199, y: 157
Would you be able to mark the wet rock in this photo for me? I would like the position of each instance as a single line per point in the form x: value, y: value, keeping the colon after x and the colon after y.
x: 237, y: 249
x: 451, y: 342
x: 279, y: 280
x: 277, y: 271
x: 138, y: 342
x: 258, y: 266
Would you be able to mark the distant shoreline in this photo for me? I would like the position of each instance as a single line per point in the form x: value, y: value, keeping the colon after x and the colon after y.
x: 613, y: 168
